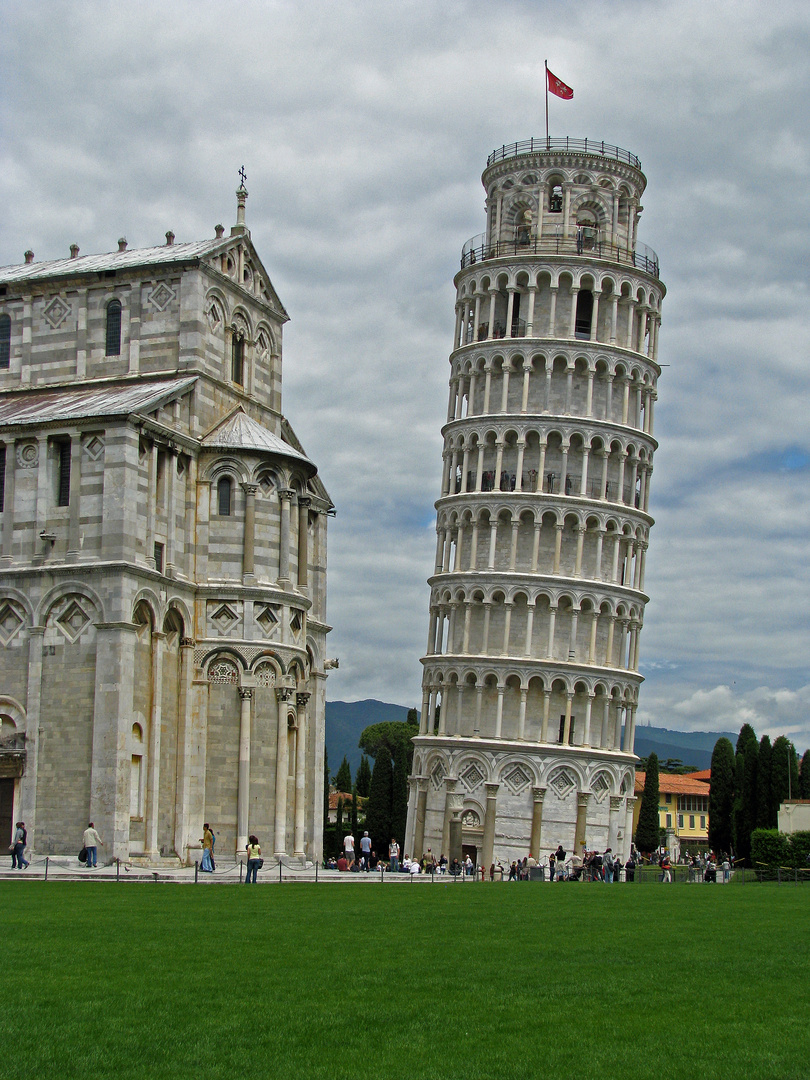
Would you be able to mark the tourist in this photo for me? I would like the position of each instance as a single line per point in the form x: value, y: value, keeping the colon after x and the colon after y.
x: 365, y: 848
x: 414, y: 868
x: 91, y: 842
x: 630, y: 868
x: 468, y: 866
x: 254, y: 859
x: 442, y: 863
x: 207, y: 841
x: 393, y: 856
x: 348, y: 848
x: 607, y: 866
x: 513, y: 872
x: 666, y: 866
x: 342, y: 864
x: 552, y: 865
x: 18, y: 847
x: 726, y: 869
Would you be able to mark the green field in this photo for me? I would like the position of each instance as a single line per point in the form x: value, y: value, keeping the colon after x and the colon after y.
x: 363, y: 980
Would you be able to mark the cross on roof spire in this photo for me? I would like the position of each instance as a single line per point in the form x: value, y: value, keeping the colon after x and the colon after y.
x: 243, y: 175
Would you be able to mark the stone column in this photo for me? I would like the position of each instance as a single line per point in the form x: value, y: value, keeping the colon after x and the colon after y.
x: 151, y: 504
x: 28, y: 785
x: 538, y: 794
x: 249, y: 539
x: 283, y: 694
x: 488, y: 848
x: 74, y: 539
x: 419, y: 821
x: 449, y: 793
x: 153, y: 766
x: 42, y: 500
x: 200, y: 563
x: 300, y: 773
x: 546, y: 707
x: 8, y: 511
x: 616, y: 802
x: 112, y: 719
x: 628, y: 829
x: 285, y: 495
x: 243, y: 791
x: 171, y: 516
x: 304, y: 504
x: 183, y: 812
x: 583, y: 797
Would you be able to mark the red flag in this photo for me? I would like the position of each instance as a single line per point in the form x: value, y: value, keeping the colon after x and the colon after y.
x: 558, y: 87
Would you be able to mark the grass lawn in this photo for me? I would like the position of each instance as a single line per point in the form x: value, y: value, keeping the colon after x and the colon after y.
x: 444, y: 981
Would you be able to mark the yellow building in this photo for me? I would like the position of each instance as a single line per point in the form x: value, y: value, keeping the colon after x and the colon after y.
x: 683, y: 809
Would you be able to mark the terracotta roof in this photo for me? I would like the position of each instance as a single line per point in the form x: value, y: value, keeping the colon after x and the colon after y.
x: 673, y: 784
x: 701, y: 774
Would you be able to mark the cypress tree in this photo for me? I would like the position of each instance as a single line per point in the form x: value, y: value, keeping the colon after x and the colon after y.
x: 343, y: 779
x: 781, y: 780
x: 804, y: 776
x: 749, y: 797
x: 325, y: 788
x: 648, y: 831
x: 354, y: 820
x: 339, y: 828
x: 378, y: 809
x: 363, y: 779
x: 764, y: 784
x: 721, y: 796
x: 399, y: 796
x: 737, y: 804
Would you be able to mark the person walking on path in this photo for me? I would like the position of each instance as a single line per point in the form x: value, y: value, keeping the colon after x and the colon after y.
x: 607, y: 865
x: 18, y: 860
x: 666, y: 866
x: 254, y: 859
x: 92, y: 841
x: 207, y: 864
x: 393, y: 856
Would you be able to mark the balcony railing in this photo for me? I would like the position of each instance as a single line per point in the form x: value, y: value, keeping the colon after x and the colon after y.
x: 547, y: 146
x: 586, y: 241
x: 549, y: 484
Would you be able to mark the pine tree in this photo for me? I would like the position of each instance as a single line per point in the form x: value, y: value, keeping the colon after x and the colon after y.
x: 721, y: 796
x: 363, y: 779
x: 648, y: 831
x: 804, y: 776
x: 399, y: 796
x: 764, y: 784
x: 343, y: 779
x: 378, y: 809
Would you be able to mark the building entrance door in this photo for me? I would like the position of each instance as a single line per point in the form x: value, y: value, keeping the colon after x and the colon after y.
x: 472, y: 851
x: 6, y: 813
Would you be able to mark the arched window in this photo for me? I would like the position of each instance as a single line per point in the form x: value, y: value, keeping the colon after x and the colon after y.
x: 582, y: 326
x: 113, y: 328
x: 238, y: 359
x: 5, y: 340
x: 224, y: 490
x: 555, y: 201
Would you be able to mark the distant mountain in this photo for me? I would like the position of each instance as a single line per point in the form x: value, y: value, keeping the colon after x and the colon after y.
x: 692, y: 747
x: 345, y: 721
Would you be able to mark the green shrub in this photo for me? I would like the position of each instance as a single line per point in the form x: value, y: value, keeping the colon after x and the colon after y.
x: 769, y: 846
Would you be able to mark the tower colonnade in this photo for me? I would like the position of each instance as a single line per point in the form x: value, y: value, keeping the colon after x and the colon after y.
x: 531, y: 671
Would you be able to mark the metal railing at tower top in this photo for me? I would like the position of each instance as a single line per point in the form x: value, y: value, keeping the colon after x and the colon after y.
x: 584, y: 241
x: 548, y: 145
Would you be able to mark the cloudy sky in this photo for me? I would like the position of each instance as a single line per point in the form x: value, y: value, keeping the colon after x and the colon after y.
x: 364, y: 128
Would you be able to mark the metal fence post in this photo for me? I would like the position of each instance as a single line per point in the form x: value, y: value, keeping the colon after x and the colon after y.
x: 240, y: 871
x: 279, y: 871
x: 117, y: 869
x: 46, y: 867
x: 196, y: 872
x: 316, y: 871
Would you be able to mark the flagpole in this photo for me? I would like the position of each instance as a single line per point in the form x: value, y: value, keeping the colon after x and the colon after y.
x: 547, y: 105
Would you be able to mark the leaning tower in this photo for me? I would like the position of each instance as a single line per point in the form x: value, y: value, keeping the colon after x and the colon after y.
x: 537, y: 599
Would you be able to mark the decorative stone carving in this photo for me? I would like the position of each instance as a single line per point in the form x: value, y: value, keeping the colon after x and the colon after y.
x: 56, y: 312
x: 27, y: 455
x: 516, y: 779
x: 12, y: 619
x: 223, y: 671
x: 161, y: 296
x: 472, y: 777
x: 562, y: 781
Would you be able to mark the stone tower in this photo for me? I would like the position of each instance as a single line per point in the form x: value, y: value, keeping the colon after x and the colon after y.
x: 531, y: 678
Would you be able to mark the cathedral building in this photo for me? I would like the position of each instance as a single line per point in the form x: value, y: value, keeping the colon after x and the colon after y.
x: 531, y: 676
x: 162, y: 558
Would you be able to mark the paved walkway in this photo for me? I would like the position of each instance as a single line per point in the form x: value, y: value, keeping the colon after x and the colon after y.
x: 67, y: 868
